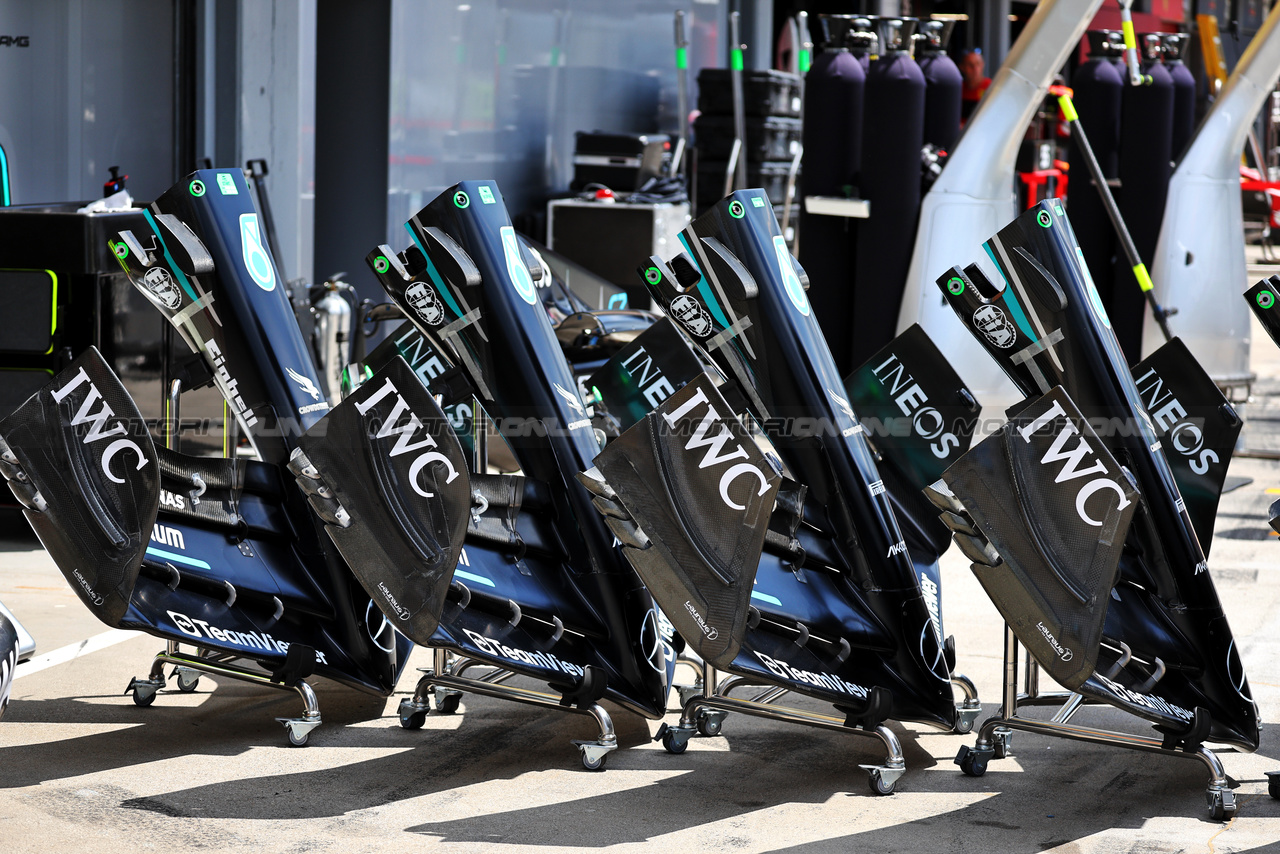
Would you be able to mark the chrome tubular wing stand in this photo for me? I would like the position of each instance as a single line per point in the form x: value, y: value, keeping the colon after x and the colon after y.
x: 187, y: 670
x: 445, y: 683
x: 704, y: 713
x: 187, y: 667
x: 996, y: 735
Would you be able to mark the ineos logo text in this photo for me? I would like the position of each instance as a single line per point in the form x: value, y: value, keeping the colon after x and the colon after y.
x: 1170, y: 417
x: 911, y: 398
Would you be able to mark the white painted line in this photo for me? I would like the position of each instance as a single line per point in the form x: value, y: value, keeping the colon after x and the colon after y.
x: 73, y: 651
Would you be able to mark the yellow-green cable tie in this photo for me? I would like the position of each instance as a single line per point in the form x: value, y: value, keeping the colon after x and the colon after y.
x: 1144, y: 280
x: 1130, y: 40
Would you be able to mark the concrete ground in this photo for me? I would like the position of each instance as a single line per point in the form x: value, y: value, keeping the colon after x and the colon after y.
x: 83, y: 769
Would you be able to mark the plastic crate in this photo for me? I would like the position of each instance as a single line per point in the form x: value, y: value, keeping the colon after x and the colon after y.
x: 768, y: 137
x: 764, y: 93
x: 770, y: 176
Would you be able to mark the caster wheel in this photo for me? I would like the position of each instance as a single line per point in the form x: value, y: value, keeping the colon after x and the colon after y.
x: 1273, y: 784
x: 188, y: 682
x: 447, y: 705
x: 1223, y: 805
x: 141, y: 698
x: 297, y: 739
x: 964, y: 725
x: 879, y: 786
x: 413, y: 720
x: 971, y: 762
x: 710, y: 724
x: 1003, y: 744
x: 593, y: 764
x: 673, y: 743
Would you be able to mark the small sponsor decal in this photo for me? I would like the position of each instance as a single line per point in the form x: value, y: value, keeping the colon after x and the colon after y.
x: 304, y: 383
x: 710, y: 631
x: 694, y: 317
x: 161, y: 285
x: 255, y: 641
x: 422, y: 298
x: 995, y: 326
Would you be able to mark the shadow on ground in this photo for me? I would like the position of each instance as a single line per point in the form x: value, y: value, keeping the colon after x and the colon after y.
x: 1066, y: 791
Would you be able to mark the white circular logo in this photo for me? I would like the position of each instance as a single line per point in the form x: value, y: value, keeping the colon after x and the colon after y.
x: 8, y: 665
x: 184, y: 623
x: 1187, y: 438
x: 161, y: 286
x: 422, y: 297
x: 1235, y: 672
x: 652, y: 646
x: 992, y: 322
x: 685, y: 309
x: 932, y: 653
x: 381, y: 632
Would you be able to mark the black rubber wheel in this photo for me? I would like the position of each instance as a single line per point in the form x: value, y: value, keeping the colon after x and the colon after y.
x: 878, y: 785
x: 414, y: 720
x: 1219, y: 812
x: 672, y: 744
x: 1273, y: 785
x: 448, y: 705
x: 964, y: 725
x: 143, y: 700
x: 710, y: 725
x: 972, y: 764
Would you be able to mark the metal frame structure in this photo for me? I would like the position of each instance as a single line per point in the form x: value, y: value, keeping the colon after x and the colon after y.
x: 996, y: 734
x: 444, y: 681
x: 705, y: 704
x: 187, y: 667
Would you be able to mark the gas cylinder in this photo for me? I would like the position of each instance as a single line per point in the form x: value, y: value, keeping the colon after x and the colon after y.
x: 832, y: 137
x: 331, y: 340
x: 892, y: 136
x: 1146, y: 131
x: 1184, y: 91
x: 942, y: 85
x: 1098, y: 86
